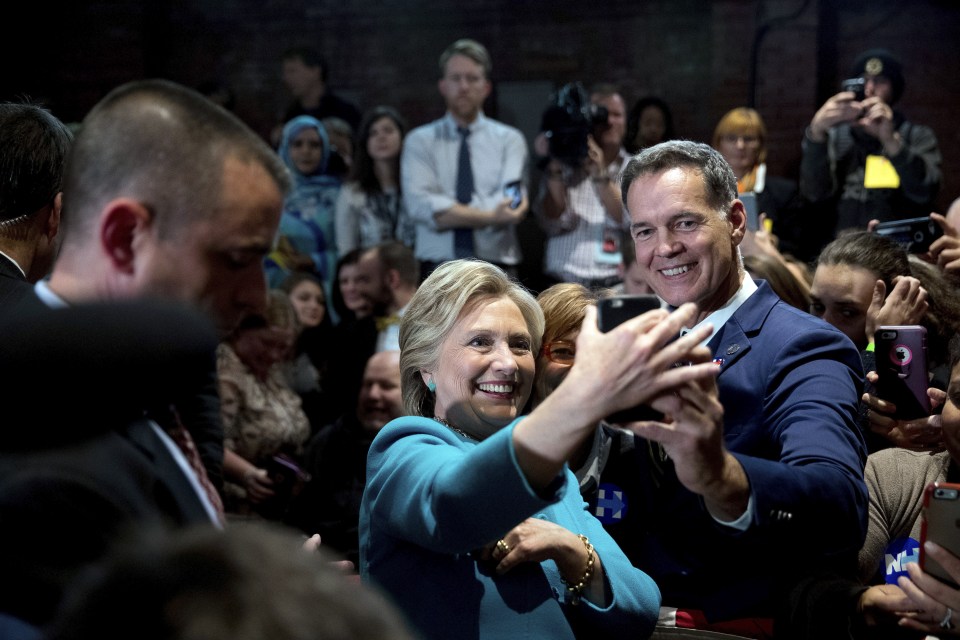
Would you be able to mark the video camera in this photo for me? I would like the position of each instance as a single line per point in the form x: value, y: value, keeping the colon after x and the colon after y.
x: 569, y: 120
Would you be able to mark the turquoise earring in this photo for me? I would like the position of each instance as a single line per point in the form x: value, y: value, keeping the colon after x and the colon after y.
x: 432, y: 386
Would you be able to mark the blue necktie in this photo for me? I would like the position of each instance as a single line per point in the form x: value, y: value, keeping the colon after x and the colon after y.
x: 463, y: 236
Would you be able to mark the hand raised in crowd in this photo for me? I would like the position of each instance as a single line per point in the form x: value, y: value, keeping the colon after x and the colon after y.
x: 945, y: 250
x: 595, y: 164
x: 615, y: 370
x: 935, y: 606
x: 761, y: 241
x: 839, y: 109
x: 877, y: 120
x: 692, y: 435
x: 632, y: 363
x: 919, y: 434
x: 906, y: 304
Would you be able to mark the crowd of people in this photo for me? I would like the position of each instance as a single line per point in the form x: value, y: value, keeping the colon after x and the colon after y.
x: 325, y: 333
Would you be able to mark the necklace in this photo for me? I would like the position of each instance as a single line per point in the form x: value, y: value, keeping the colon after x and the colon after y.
x: 450, y: 426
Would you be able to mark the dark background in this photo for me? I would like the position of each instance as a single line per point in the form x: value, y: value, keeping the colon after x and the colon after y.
x: 784, y: 57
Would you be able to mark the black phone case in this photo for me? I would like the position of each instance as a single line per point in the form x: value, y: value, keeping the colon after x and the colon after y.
x: 914, y: 234
x: 612, y: 312
x: 901, y: 353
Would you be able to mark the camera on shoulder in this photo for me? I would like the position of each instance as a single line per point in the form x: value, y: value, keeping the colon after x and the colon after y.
x: 569, y: 120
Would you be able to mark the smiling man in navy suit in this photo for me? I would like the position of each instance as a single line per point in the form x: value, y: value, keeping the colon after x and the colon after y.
x: 759, y: 479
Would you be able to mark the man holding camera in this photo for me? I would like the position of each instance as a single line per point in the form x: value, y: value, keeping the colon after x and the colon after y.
x: 579, y: 205
x: 455, y: 171
x: 861, y: 151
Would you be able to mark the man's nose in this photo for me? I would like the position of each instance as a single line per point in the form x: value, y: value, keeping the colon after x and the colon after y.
x: 667, y: 244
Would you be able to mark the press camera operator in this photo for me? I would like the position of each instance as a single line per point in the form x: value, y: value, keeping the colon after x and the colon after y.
x: 579, y: 205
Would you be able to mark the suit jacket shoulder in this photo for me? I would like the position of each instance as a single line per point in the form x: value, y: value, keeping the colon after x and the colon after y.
x: 62, y: 509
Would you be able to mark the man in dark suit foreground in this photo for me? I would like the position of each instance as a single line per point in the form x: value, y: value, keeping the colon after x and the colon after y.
x: 166, y: 196
x: 81, y: 460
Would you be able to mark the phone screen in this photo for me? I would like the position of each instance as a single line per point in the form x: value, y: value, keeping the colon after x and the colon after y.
x: 612, y: 312
x: 616, y: 310
x: 941, y: 524
x: 514, y: 191
x: 749, y: 200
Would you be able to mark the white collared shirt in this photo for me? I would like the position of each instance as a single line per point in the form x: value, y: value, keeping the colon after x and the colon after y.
x: 719, y: 317
x: 389, y: 338
x: 429, y: 163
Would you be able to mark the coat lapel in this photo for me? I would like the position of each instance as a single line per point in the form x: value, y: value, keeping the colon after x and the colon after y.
x: 733, y: 339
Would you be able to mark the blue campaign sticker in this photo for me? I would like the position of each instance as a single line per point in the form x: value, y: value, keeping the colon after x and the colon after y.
x: 611, y: 503
x: 898, y: 554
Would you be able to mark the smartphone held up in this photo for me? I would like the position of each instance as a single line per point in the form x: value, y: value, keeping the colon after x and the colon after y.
x: 612, y: 312
x: 901, y: 353
x: 855, y: 86
x: 514, y: 191
x: 940, y: 524
x: 914, y: 234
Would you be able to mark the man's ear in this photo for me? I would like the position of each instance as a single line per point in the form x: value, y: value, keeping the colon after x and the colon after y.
x: 737, y: 217
x: 122, y: 222
x: 487, y: 88
x: 51, y: 226
x: 392, y: 278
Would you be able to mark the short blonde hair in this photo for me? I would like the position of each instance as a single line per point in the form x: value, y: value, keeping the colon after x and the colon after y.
x: 469, y: 49
x: 564, y: 306
x: 742, y: 121
x: 452, y: 289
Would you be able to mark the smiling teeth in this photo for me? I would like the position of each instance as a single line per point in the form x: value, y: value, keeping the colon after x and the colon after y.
x: 496, y: 388
x: 675, y: 271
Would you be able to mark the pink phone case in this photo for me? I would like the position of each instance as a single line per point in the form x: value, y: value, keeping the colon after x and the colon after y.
x: 901, y: 353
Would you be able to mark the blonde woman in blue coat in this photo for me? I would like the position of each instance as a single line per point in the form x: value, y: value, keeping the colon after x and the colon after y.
x: 470, y: 520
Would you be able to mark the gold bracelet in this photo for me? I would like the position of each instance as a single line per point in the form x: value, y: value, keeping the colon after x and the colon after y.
x: 575, y: 590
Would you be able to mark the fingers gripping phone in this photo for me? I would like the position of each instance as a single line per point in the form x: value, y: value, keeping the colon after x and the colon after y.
x: 901, y: 353
x: 940, y: 524
x: 514, y: 191
x: 612, y: 312
x: 856, y: 86
x: 914, y: 234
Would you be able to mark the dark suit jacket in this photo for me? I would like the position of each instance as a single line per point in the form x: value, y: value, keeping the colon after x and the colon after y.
x: 353, y: 344
x: 790, y: 385
x: 13, y: 286
x: 62, y: 509
x: 79, y: 465
x: 164, y: 345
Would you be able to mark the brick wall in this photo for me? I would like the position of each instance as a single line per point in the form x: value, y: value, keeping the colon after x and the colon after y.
x: 697, y: 54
